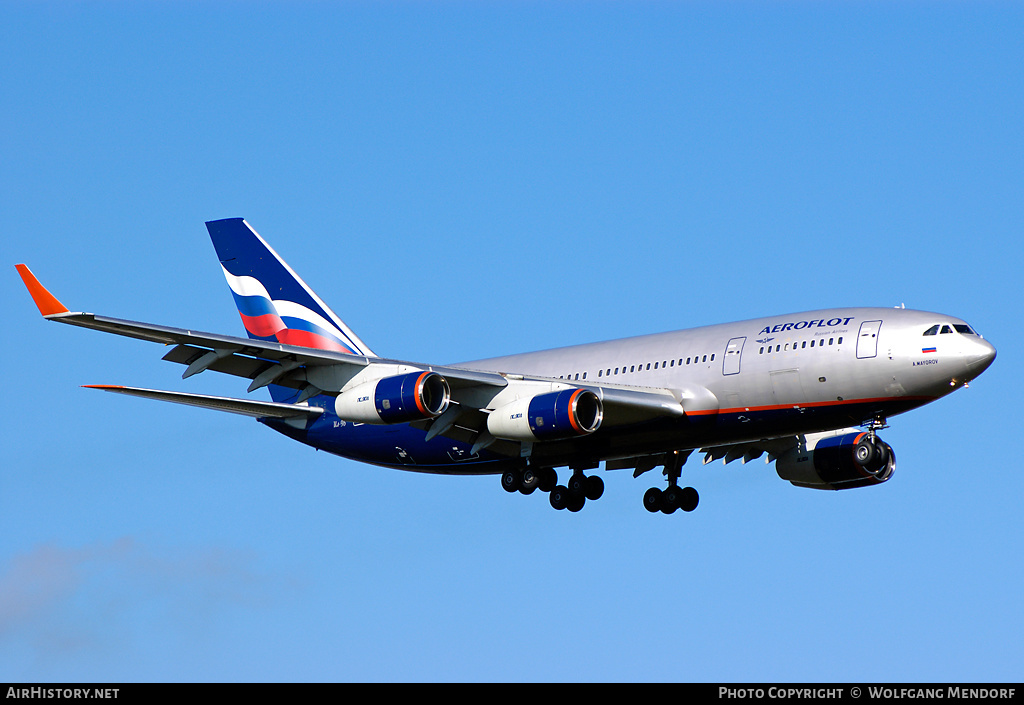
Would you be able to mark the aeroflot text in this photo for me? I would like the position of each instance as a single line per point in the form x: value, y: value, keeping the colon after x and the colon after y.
x: 776, y: 692
x: 800, y: 325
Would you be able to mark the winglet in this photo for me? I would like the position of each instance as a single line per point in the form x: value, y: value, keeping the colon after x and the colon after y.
x: 46, y: 302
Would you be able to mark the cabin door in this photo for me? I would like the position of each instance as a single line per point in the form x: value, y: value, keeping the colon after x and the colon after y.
x: 867, y: 339
x: 733, y: 353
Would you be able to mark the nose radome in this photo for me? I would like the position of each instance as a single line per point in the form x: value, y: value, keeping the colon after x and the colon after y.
x: 980, y: 357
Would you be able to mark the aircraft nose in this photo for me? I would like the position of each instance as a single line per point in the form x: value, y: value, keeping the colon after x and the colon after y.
x: 980, y: 356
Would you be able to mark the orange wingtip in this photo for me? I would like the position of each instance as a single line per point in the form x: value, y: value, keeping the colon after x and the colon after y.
x: 46, y: 302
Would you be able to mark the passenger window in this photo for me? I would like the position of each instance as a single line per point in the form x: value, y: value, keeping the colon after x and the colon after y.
x: 804, y: 345
x: 712, y: 357
x: 632, y: 367
x: 687, y: 361
x: 584, y: 375
x: 840, y: 340
x: 648, y: 365
x: 933, y: 330
x: 599, y: 373
x: 762, y: 351
x: 705, y: 359
x: 655, y: 365
x: 830, y: 340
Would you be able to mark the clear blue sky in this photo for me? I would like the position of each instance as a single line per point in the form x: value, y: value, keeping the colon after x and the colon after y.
x: 462, y: 180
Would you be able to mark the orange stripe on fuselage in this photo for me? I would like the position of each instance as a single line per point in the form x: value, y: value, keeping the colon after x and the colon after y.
x: 808, y: 405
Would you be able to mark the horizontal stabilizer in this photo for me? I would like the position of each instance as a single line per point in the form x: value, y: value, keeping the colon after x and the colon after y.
x: 246, y: 407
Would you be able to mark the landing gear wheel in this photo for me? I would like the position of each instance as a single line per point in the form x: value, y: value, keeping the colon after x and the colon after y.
x: 548, y: 479
x: 889, y: 466
x: 670, y: 499
x: 529, y: 482
x: 577, y: 483
x: 593, y: 487
x: 511, y: 480
x: 881, y: 467
x: 673, y: 497
x: 652, y: 500
x: 883, y: 451
x: 559, y: 497
x: 865, y: 453
x: 872, y: 454
x: 688, y: 499
x: 576, y: 502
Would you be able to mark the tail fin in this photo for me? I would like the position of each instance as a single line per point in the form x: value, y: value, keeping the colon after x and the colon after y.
x: 274, y: 303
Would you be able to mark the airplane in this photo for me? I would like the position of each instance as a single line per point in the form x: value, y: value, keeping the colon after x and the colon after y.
x: 809, y: 391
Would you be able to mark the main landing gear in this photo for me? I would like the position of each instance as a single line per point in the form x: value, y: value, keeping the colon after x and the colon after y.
x: 572, y: 495
x: 673, y: 497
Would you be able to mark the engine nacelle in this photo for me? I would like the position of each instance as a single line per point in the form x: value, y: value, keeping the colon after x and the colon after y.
x: 547, y: 417
x: 399, y: 399
x: 838, y: 462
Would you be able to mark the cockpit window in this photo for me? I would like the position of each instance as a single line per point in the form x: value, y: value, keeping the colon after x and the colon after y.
x: 940, y: 328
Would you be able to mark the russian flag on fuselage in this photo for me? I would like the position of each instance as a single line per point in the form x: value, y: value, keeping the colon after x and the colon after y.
x: 273, y: 302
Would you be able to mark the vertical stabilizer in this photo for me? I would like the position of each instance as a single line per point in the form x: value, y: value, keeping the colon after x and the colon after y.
x: 273, y: 301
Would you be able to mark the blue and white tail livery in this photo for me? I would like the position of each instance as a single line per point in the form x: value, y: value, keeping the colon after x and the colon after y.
x: 273, y: 301
x: 808, y: 391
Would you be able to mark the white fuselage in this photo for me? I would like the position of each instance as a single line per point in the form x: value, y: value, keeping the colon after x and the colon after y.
x: 778, y: 375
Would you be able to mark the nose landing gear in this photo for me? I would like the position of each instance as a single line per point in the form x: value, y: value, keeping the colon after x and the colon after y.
x: 874, y: 455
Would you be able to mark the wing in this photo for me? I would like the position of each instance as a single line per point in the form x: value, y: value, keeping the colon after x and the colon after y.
x: 772, y: 447
x: 474, y: 394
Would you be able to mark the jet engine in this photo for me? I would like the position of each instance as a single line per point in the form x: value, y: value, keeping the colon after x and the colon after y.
x: 398, y: 399
x: 547, y: 417
x: 838, y: 462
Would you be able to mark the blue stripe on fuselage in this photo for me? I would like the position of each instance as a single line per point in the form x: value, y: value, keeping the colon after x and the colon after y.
x: 404, y: 447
